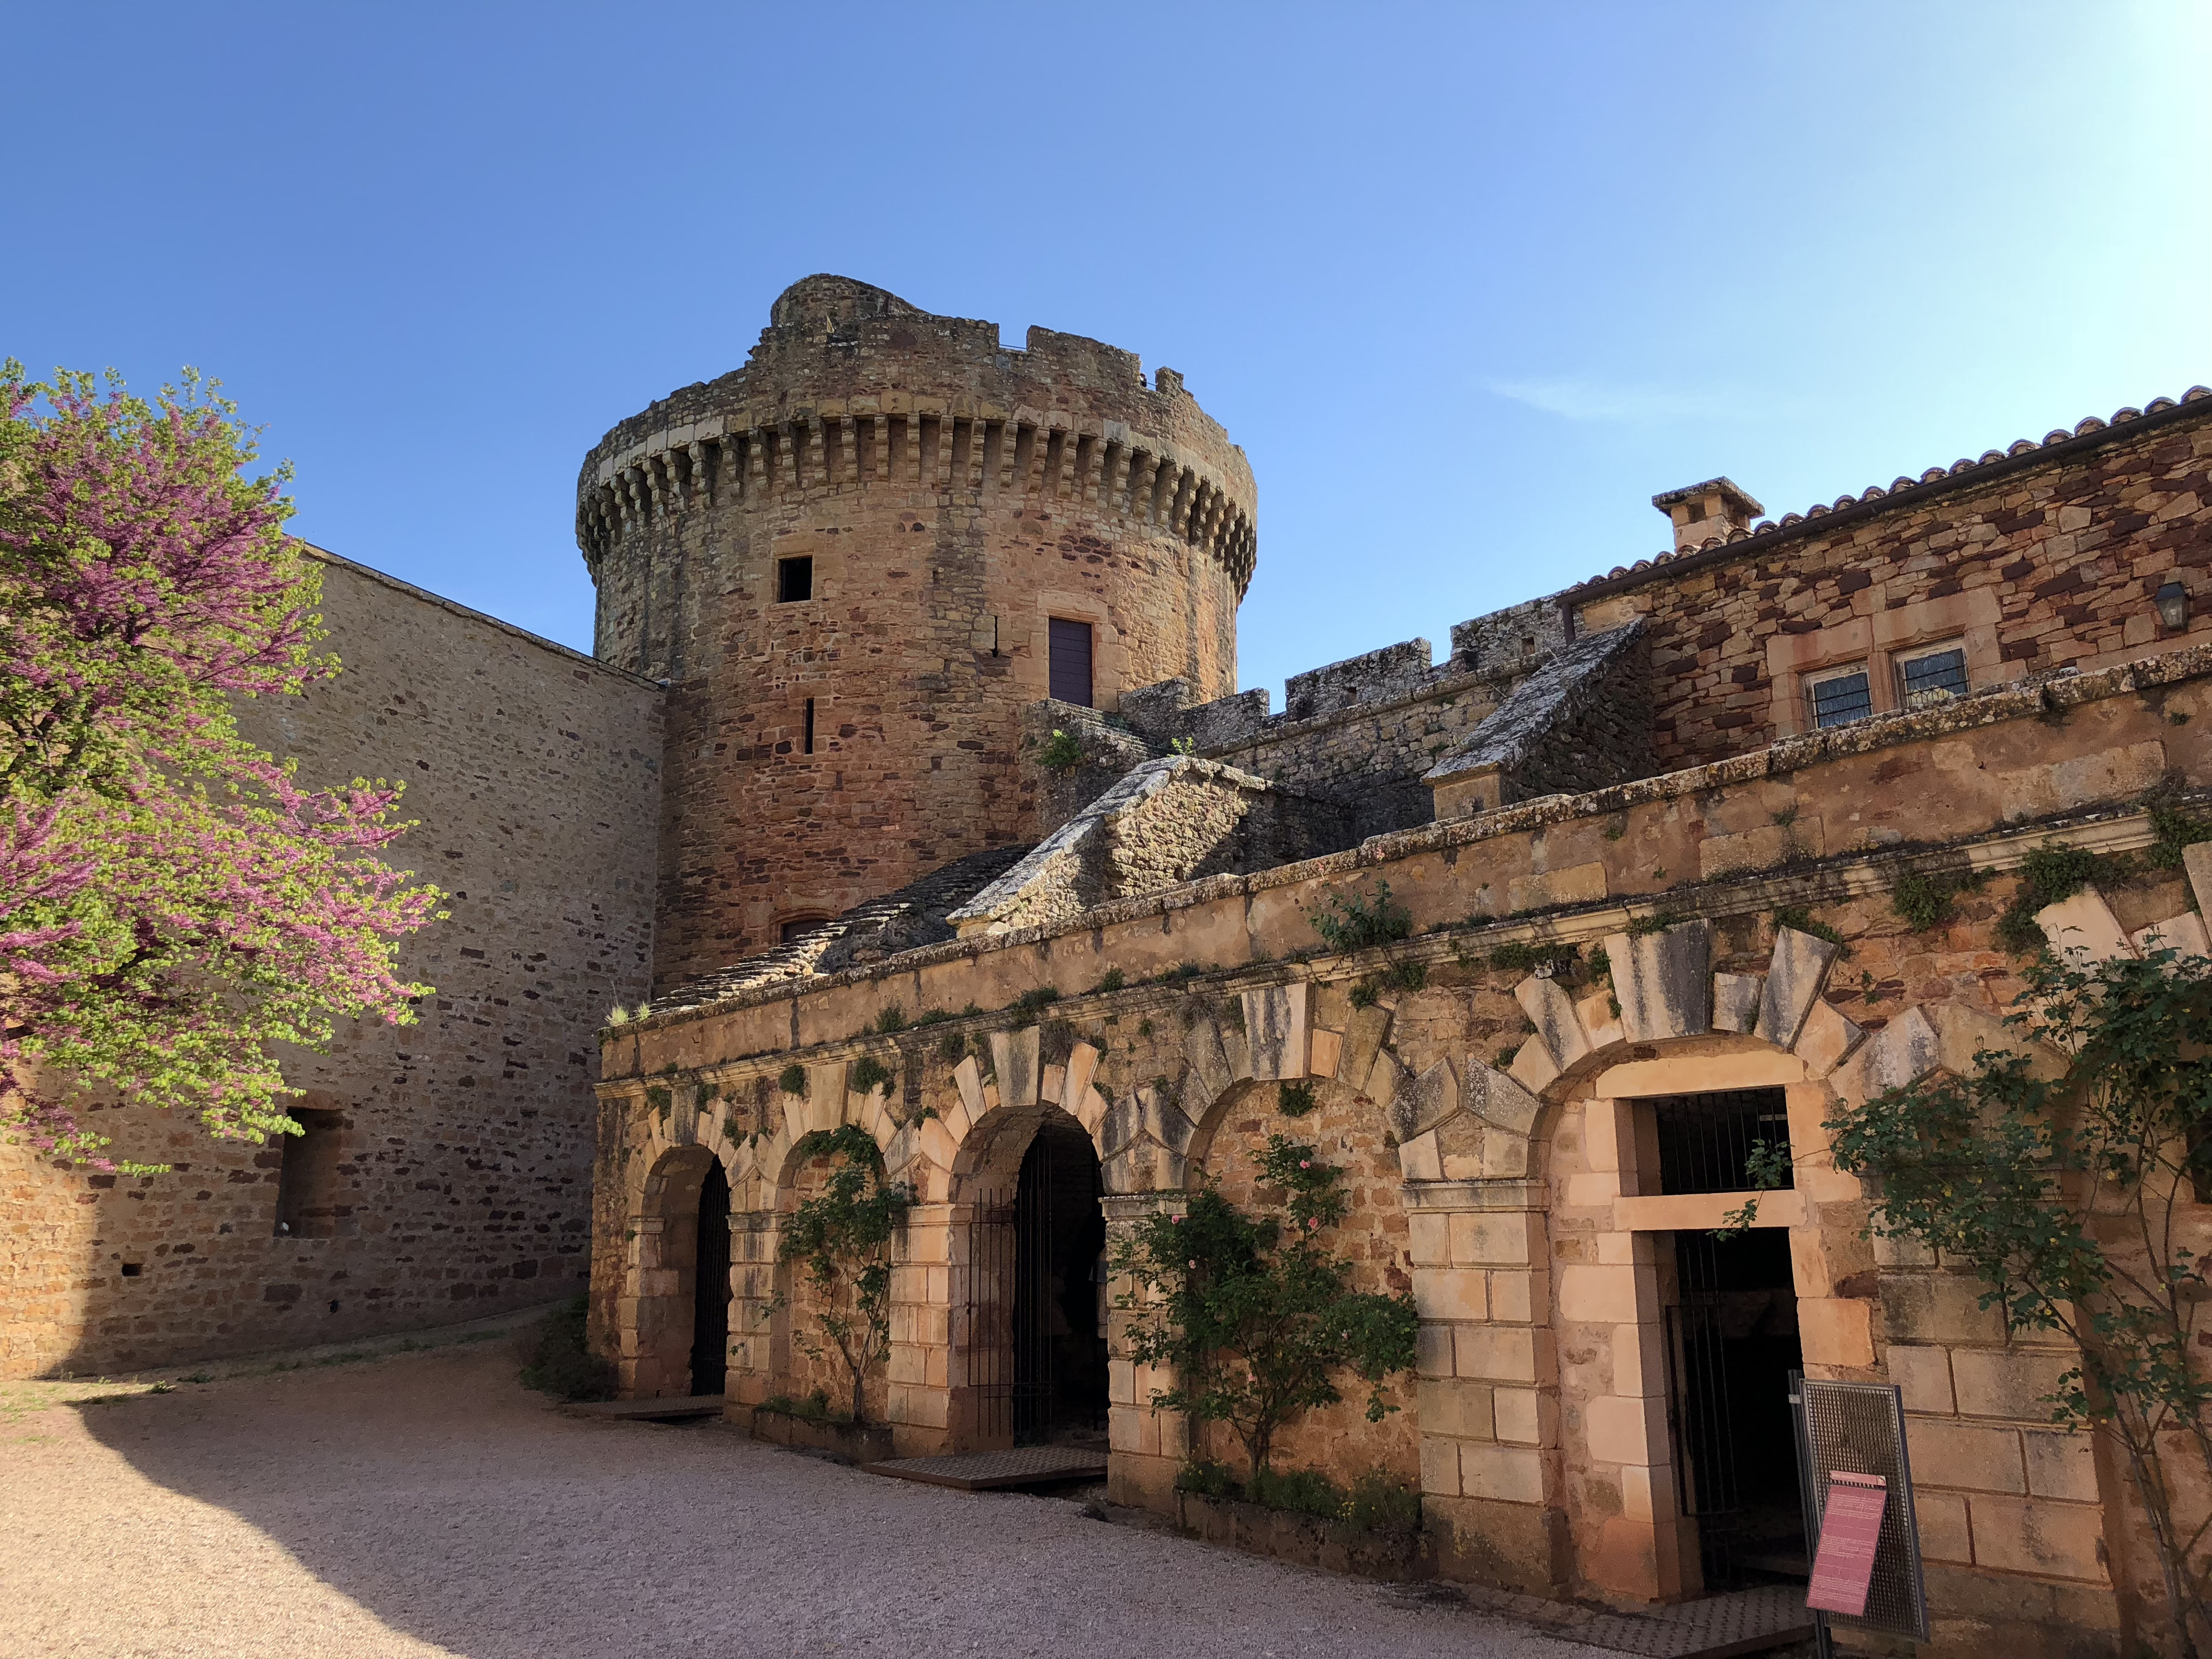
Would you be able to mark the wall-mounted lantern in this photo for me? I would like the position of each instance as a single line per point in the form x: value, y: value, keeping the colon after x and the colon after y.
x: 2172, y: 602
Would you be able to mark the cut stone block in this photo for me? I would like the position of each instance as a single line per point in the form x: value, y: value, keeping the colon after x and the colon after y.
x: 1498, y: 1099
x: 1363, y: 1038
x: 1325, y: 1050
x: 1735, y: 1001
x: 2197, y: 861
x: 1795, y: 973
x: 1963, y: 1031
x: 2083, y: 930
x: 968, y: 1077
x: 1533, y: 1067
x: 1384, y: 1079
x: 1014, y: 1058
x: 1664, y: 981
x: 1827, y: 1041
x: 1553, y: 1012
x: 1424, y: 1101
x: 1420, y: 1158
x: 1201, y: 1046
x: 1275, y: 1029
x: 2183, y: 933
x: 1082, y: 1063
x: 1904, y: 1050
x: 1599, y: 1024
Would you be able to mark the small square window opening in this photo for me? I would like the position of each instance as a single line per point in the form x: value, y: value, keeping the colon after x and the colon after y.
x: 1837, y: 697
x: 794, y: 580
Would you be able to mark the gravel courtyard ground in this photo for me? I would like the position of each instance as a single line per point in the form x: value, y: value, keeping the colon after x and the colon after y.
x: 426, y: 1505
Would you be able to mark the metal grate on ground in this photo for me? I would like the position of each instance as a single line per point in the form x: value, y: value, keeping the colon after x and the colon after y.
x: 992, y: 1471
x: 1716, y: 1627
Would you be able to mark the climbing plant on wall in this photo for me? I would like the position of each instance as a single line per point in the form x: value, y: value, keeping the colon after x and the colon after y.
x: 172, y: 902
x: 842, y: 1236
x: 2057, y: 1180
x: 1255, y: 1313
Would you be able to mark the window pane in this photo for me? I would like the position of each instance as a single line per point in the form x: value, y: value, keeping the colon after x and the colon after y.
x: 1940, y: 670
x: 1704, y: 1140
x: 1836, y: 701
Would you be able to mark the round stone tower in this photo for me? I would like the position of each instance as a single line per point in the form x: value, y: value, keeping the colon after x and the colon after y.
x: 856, y: 558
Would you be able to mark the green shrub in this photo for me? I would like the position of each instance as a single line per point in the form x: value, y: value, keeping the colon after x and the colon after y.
x: 1302, y: 1491
x: 1026, y: 1007
x: 1925, y: 901
x: 932, y: 1017
x: 1380, y: 1502
x: 1361, y: 920
x: 1253, y: 1315
x: 2051, y: 872
x: 1364, y: 994
x: 1207, y: 1478
x: 1294, y: 1099
x: 1657, y: 922
x: 794, y: 1079
x: 1060, y: 753
x: 891, y: 1020
x: 1112, y: 980
x: 560, y: 1362
x: 952, y: 1047
x: 870, y: 1074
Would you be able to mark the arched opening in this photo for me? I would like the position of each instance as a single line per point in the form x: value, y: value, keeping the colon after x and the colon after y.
x: 672, y: 1291
x: 710, y: 1302
x: 1059, y: 1323
x: 1030, y: 1360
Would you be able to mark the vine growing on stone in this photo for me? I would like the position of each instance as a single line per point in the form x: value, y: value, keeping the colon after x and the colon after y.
x: 841, y: 1235
x: 1254, y: 1314
x: 2057, y: 1180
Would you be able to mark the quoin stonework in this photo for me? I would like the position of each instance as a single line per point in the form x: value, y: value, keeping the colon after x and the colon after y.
x: 913, y: 785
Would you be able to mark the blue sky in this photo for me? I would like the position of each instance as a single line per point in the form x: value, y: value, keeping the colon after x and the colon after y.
x: 1470, y: 283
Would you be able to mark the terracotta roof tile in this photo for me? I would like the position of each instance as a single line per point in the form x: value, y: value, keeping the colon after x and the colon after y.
x: 1901, y: 484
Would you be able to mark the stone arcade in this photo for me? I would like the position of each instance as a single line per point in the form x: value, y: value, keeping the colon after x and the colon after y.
x: 943, y: 635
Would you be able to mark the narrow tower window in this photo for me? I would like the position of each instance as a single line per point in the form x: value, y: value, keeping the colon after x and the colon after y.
x: 307, y: 1181
x: 1071, y: 661
x: 810, y: 726
x: 794, y: 580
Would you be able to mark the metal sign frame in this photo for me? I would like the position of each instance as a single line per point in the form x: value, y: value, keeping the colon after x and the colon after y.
x: 1858, y: 1428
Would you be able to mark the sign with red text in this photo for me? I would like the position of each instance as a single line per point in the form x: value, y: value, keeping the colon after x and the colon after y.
x: 1850, y: 1528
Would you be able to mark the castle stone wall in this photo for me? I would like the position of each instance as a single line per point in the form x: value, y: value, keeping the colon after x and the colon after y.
x: 463, y: 1180
x: 2032, y: 562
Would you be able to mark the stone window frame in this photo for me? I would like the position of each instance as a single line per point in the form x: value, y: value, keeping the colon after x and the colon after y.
x: 1628, y: 1427
x: 1109, y: 655
x: 1883, y: 637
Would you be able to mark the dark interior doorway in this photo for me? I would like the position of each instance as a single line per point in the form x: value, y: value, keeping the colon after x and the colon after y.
x: 1732, y: 1343
x: 1059, y: 1335
x: 710, y: 1310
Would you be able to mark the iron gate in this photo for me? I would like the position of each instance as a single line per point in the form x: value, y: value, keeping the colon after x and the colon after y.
x: 1707, y: 1482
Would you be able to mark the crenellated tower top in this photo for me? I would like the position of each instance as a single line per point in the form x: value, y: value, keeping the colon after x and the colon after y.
x: 850, y: 387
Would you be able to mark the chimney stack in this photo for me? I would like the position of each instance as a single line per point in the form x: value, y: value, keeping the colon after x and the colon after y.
x: 1718, y: 506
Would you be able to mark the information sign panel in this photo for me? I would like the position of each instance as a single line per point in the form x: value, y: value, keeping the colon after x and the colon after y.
x: 1857, y: 1429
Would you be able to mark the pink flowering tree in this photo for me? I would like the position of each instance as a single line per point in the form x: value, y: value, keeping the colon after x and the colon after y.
x: 173, y: 902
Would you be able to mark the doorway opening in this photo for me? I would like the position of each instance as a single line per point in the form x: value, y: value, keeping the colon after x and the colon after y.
x: 1732, y: 1341
x: 710, y: 1288
x: 1035, y: 1354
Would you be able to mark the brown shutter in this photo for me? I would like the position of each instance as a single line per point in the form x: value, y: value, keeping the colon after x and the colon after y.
x: 1071, y: 661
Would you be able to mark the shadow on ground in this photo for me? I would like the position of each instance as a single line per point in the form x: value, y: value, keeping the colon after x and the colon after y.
x: 425, y: 1504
